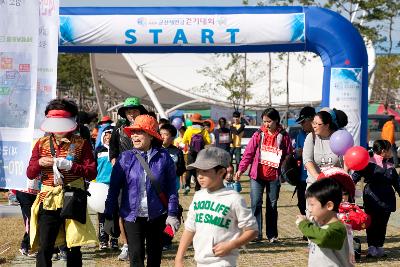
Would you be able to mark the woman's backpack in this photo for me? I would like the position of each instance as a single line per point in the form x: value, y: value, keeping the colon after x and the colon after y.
x: 290, y: 170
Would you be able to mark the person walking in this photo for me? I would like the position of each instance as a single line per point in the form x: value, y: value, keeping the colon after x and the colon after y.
x: 62, y: 159
x: 119, y: 143
x: 305, y: 119
x: 223, y: 137
x: 265, y: 153
x: 237, y: 129
x: 146, y: 174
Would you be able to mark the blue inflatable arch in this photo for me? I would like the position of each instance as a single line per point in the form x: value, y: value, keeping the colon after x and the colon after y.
x: 233, y: 29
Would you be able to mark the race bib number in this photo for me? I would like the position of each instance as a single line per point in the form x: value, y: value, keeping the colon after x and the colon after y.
x: 270, y: 156
x: 224, y: 138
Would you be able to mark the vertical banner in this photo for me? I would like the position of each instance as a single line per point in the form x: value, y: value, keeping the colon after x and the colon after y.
x: 47, y: 59
x: 19, y: 23
x: 345, y: 94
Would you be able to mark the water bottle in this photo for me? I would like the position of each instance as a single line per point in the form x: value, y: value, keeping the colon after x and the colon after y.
x: 237, y: 186
x: 71, y: 153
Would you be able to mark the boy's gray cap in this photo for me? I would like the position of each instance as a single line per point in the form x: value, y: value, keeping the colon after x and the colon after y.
x: 211, y: 157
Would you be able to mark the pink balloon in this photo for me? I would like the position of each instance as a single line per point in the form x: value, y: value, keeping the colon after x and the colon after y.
x: 356, y: 158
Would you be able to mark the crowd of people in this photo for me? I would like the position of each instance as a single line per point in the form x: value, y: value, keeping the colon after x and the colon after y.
x: 146, y: 164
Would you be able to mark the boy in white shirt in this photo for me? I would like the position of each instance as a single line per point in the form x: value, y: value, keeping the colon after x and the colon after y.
x: 218, y: 221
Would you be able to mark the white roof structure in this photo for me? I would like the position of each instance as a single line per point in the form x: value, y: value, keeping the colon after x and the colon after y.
x: 174, y: 78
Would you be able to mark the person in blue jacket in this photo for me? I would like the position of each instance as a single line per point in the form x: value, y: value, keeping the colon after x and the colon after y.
x: 144, y: 211
x: 104, y: 168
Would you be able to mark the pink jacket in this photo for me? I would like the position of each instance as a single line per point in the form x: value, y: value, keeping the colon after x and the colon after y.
x: 251, y: 154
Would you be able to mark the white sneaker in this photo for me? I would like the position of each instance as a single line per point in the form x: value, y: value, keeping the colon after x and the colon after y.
x: 124, y: 255
x: 274, y: 240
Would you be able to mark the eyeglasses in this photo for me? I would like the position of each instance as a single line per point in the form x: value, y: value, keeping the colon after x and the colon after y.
x: 317, y: 124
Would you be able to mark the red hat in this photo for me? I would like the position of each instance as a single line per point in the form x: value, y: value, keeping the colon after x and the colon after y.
x: 145, y: 123
x: 342, y: 177
x: 196, y: 117
x: 105, y: 119
x: 58, y: 121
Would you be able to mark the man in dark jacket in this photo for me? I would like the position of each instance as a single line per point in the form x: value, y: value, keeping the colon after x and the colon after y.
x: 119, y: 141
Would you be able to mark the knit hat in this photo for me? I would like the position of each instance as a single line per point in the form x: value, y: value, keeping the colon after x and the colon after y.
x: 58, y: 121
x: 145, y: 123
x: 131, y: 103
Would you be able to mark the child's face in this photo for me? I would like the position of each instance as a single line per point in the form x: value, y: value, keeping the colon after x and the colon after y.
x: 229, y: 173
x: 319, y: 213
x: 386, y: 154
x: 166, y: 136
x: 210, y: 179
x: 106, y: 138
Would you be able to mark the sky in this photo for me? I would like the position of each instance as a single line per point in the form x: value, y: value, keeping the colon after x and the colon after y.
x: 149, y: 3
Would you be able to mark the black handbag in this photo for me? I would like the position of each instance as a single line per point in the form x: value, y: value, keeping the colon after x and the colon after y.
x: 75, y: 204
x: 75, y: 199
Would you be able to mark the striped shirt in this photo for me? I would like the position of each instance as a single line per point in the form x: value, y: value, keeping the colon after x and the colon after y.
x: 83, y: 165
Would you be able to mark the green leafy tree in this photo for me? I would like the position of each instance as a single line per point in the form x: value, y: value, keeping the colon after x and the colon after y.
x: 232, y: 78
x: 74, y: 75
x: 387, y: 79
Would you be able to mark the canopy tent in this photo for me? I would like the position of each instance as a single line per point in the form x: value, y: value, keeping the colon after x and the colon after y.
x: 380, y: 109
x: 175, y: 79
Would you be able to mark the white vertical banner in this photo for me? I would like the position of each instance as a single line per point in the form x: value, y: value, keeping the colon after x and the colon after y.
x: 19, y: 21
x: 345, y: 94
x: 47, y: 59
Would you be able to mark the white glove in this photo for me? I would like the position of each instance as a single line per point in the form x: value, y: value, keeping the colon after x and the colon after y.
x: 174, y: 222
x: 63, y: 164
x: 58, y: 177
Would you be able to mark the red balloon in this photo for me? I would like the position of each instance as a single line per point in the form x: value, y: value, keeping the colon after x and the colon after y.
x: 356, y: 158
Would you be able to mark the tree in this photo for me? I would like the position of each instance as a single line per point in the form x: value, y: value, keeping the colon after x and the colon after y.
x: 74, y: 75
x: 233, y: 79
x: 387, y: 79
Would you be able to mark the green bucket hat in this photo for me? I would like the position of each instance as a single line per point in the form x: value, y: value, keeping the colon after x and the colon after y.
x: 131, y: 103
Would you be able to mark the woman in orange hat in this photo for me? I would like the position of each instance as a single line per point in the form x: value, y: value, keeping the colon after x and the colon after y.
x: 149, y: 198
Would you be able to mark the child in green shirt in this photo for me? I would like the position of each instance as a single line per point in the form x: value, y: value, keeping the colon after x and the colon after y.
x: 329, y: 245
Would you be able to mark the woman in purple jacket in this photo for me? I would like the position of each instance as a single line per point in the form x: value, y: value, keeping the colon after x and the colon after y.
x: 145, y: 214
x: 265, y: 152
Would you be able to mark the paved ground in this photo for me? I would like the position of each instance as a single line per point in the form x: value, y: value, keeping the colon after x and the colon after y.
x: 290, y: 251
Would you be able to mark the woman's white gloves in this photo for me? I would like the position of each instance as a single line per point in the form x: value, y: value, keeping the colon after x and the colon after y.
x: 174, y: 222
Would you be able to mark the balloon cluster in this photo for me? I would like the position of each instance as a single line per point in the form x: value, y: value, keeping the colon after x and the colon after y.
x: 342, y: 144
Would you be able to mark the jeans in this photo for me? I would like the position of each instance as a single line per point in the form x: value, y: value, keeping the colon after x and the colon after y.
x: 149, y: 232
x: 237, y: 151
x: 272, y: 189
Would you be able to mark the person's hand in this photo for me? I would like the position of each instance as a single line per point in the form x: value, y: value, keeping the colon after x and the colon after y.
x: 46, y: 161
x: 237, y: 175
x: 174, y: 222
x: 300, y: 218
x: 64, y: 164
x: 113, y: 161
x: 223, y: 248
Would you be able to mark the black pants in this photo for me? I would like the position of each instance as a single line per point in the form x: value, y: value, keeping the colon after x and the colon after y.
x: 49, y: 222
x: 376, y: 232
x: 301, y: 197
x: 25, y: 201
x: 394, y: 155
x: 143, y: 230
x: 191, y: 159
x: 103, y: 236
